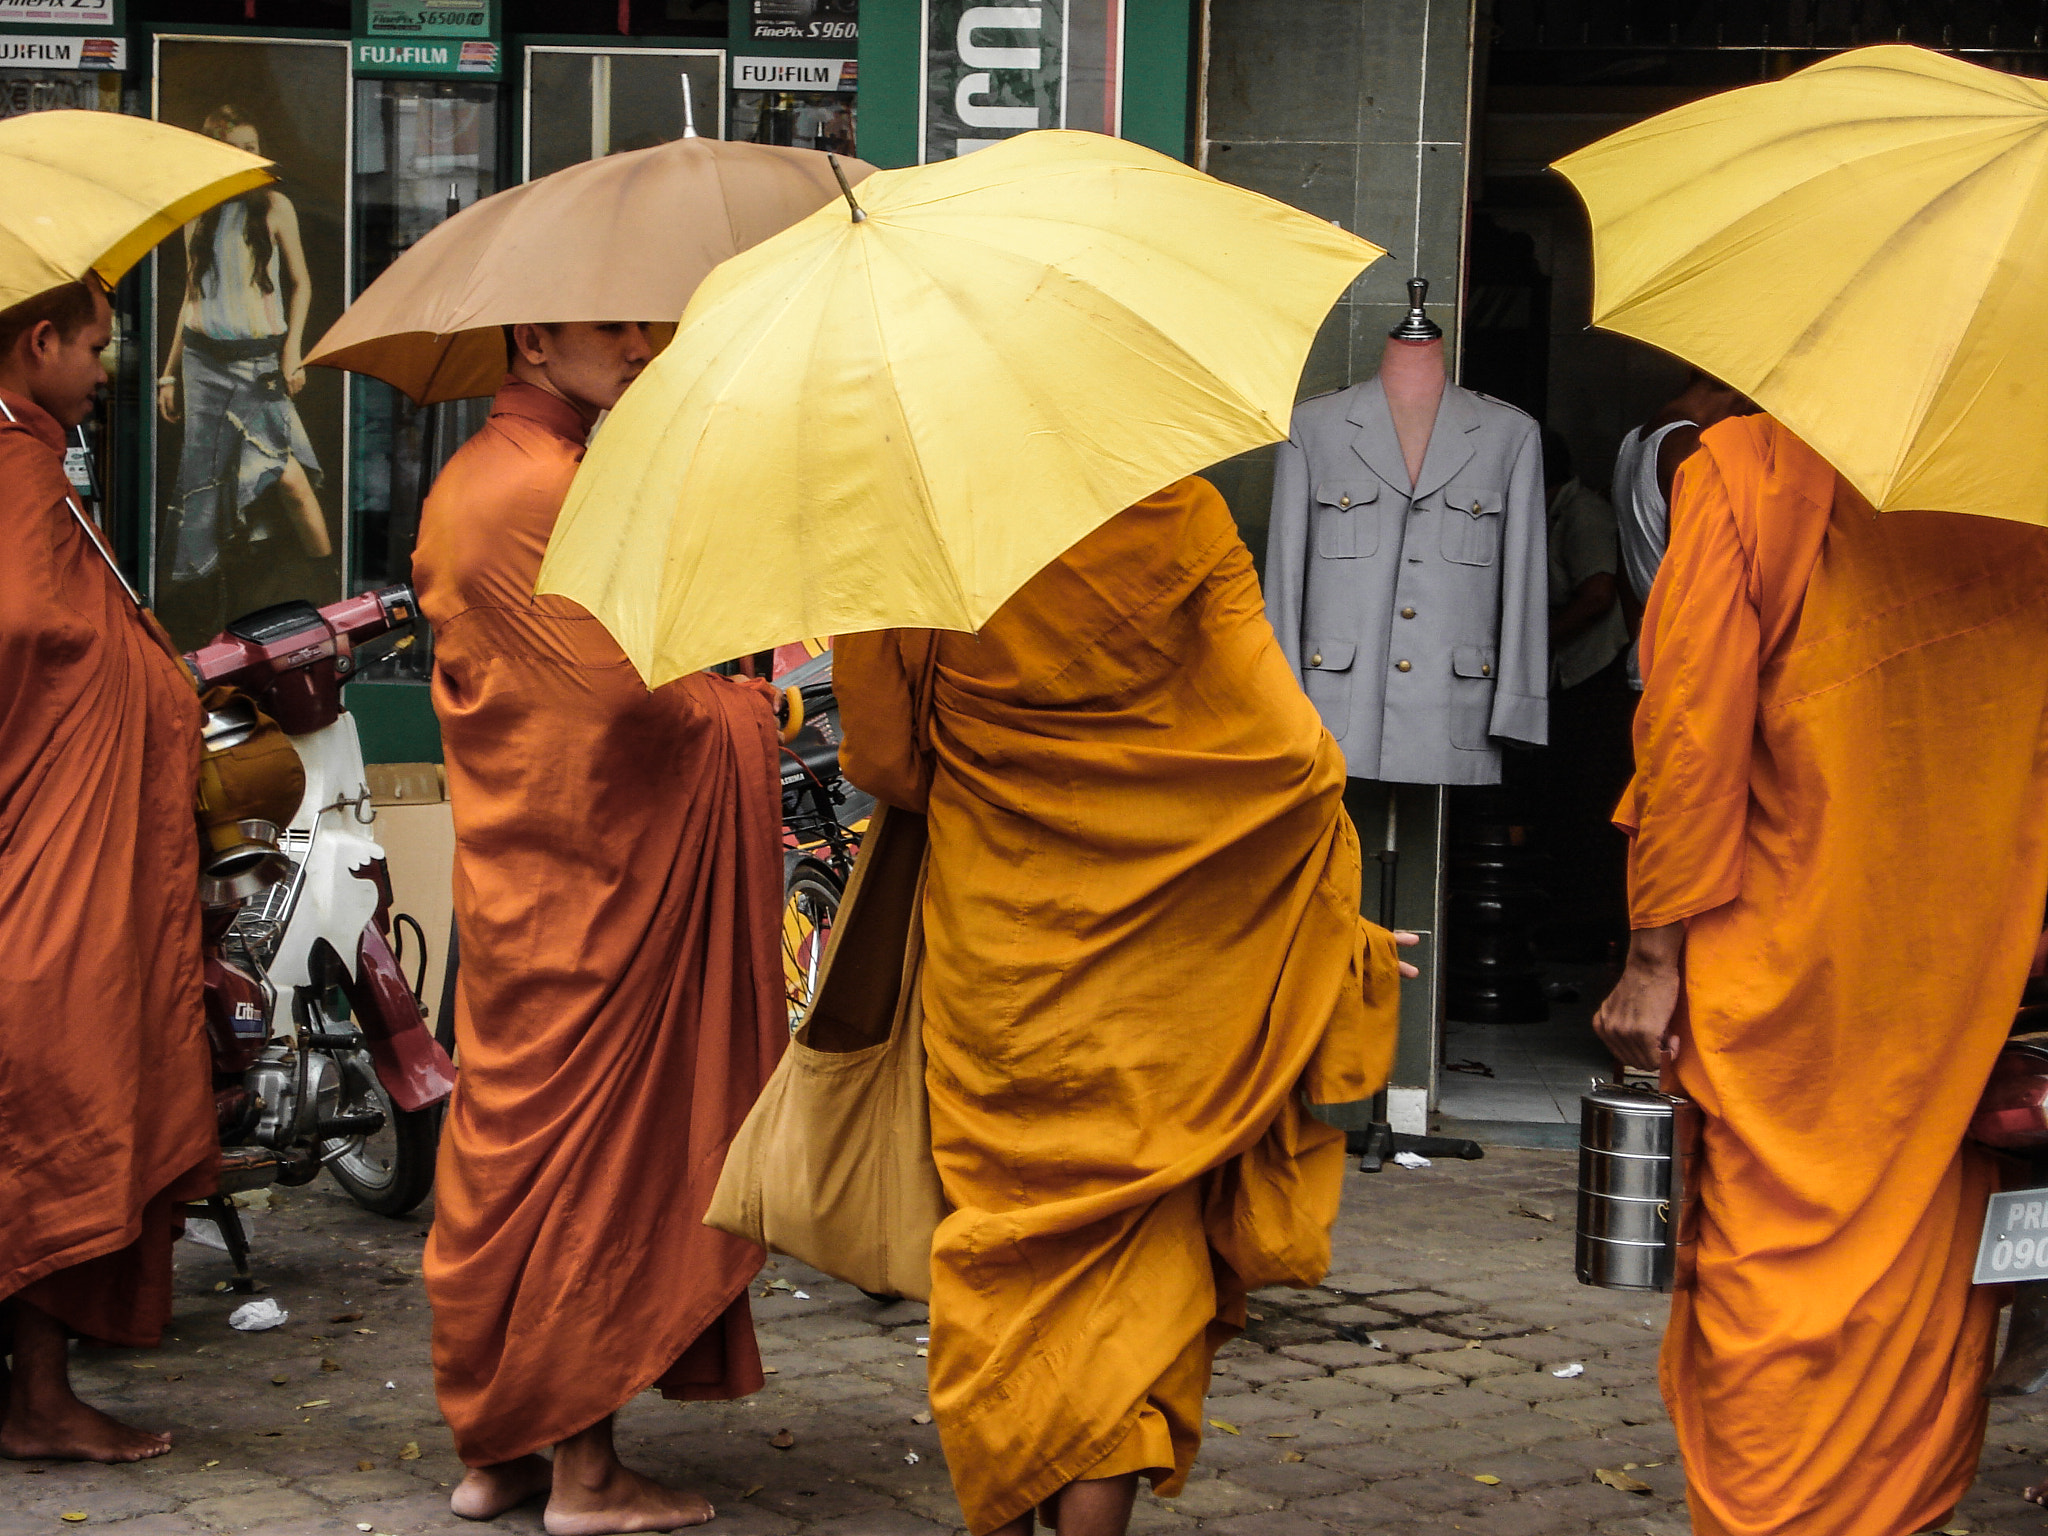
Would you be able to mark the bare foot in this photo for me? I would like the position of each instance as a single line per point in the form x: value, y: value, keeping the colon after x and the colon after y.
x: 622, y: 1501
x: 2037, y: 1494
x: 487, y: 1492
x: 75, y: 1431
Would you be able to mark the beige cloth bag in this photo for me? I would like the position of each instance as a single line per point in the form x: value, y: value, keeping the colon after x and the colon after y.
x: 833, y: 1165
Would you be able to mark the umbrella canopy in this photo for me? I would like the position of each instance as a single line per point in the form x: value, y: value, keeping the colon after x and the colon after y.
x: 897, y: 419
x: 94, y: 191
x: 627, y: 237
x: 1859, y: 248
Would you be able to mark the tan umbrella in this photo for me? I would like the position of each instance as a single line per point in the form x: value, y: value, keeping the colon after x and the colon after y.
x: 628, y: 237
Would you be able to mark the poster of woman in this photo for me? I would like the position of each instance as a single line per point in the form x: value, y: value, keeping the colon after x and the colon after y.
x: 249, y: 447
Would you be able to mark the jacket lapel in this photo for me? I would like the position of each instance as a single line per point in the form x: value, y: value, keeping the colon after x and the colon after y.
x: 1374, y: 440
x: 1452, y: 442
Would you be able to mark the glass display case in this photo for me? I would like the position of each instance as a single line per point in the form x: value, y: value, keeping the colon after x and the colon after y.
x: 585, y: 103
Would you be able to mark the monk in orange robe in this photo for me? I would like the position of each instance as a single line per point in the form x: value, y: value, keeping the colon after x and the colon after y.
x: 620, y: 1001
x: 1144, y: 956
x: 1840, y: 852
x: 106, y: 1098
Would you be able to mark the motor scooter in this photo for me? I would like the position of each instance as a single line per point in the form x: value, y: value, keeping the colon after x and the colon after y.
x: 321, y: 1056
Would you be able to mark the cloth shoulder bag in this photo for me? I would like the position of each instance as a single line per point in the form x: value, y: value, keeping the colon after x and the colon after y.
x: 833, y: 1164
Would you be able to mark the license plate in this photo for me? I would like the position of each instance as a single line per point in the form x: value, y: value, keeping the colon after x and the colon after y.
x: 2015, y: 1241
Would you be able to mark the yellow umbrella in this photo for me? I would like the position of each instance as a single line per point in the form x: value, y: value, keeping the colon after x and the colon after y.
x: 94, y: 191
x: 627, y: 237
x: 897, y: 417
x: 1862, y: 248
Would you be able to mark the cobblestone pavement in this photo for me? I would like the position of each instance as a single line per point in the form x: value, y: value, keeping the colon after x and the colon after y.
x: 1415, y: 1393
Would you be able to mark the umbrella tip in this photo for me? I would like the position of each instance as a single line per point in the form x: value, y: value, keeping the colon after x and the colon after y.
x: 859, y: 213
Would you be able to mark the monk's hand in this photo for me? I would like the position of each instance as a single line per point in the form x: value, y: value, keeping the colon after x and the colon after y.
x: 1407, y: 940
x: 1638, y: 1022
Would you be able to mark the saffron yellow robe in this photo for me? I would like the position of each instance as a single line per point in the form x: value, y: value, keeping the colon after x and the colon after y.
x: 1842, y: 792
x: 1143, y: 946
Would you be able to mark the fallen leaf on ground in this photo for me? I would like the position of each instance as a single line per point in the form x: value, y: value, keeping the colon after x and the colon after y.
x: 205, y: 1464
x: 1534, y: 1213
x: 922, y: 1416
x: 318, y: 1402
x: 1292, y: 1456
x: 751, y: 1491
x: 1620, y: 1480
x: 366, y: 1330
x: 1228, y: 1429
x: 280, y: 1381
x: 175, y: 1376
x: 1487, y: 1478
x: 346, y: 1317
x: 782, y: 1439
x: 366, y: 1466
x: 364, y: 1525
x: 924, y: 1354
x: 771, y: 1370
x: 330, y: 1365
x: 73, y: 1515
x: 1282, y: 1434
x: 411, y: 1451
x: 1257, y: 1317
x: 1954, y: 1530
x: 780, y: 1285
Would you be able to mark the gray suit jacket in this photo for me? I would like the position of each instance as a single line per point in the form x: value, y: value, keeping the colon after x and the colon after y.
x: 1417, y: 620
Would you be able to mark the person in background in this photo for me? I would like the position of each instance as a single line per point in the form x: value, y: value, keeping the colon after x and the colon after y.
x: 234, y: 368
x: 106, y: 1095
x: 1644, y: 467
x: 1121, y: 773
x: 1578, y: 777
x: 1839, y: 856
x: 620, y: 1002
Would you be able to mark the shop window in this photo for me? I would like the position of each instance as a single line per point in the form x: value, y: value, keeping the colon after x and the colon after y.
x: 250, y: 447
x: 424, y: 149
x: 586, y: 103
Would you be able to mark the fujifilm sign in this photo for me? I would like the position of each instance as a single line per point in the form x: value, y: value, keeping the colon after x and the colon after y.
x: 794, y: 74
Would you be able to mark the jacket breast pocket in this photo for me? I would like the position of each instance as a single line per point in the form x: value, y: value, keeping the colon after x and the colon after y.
x: 1347, y: 519
x: 1471, y: 705
x: 1326, y: 677
x: 1471, y: 524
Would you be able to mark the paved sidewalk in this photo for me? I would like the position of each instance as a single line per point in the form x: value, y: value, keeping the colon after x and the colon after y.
x: 1376, y: 1403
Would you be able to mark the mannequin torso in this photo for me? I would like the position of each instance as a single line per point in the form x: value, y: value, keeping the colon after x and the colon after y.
x: 1412, y: 373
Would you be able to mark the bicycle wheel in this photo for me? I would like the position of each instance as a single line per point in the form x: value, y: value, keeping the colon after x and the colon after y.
x: 810, y: 904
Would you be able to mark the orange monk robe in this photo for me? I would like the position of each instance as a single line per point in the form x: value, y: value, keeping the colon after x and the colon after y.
x: 620, y: 1001
x: 1843, y: 794
x: 106, y: 1099
x: 1144, y: 949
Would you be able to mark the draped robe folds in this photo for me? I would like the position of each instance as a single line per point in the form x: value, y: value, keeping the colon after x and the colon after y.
x: 1843, y: 793
x: 620, y: 1000
x: 1144, y: 951
x: 106, y: 1099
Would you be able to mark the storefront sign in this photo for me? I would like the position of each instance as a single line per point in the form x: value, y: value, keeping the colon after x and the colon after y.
x: 378, y: 59
x: 428, y: 18
x: 991, y: 72
x: 60, y: 13
x: 63, y: 52
x: 814, y: 21
x: 794, y: 74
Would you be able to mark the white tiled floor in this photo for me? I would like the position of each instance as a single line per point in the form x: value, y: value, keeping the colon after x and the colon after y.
x: 1539, y: 1070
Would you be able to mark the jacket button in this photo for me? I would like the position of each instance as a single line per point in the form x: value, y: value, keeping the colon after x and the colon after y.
x: 1402, y: 666
x: 1485, y: 669
x: 1477, y: 509
x: 1407, y: 613
x: 1316, y: 660
x: 1343, y: 501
